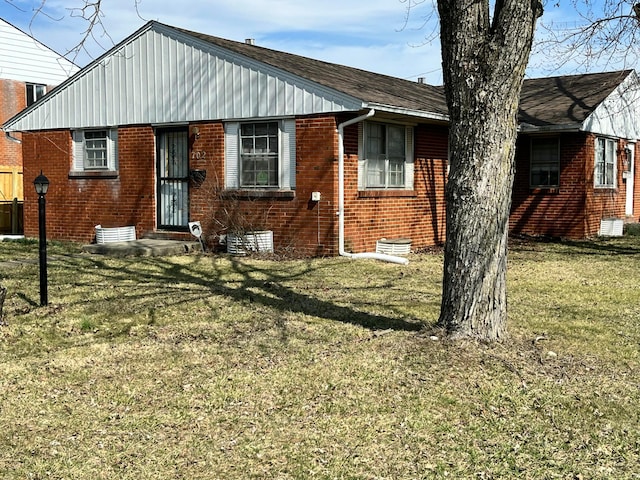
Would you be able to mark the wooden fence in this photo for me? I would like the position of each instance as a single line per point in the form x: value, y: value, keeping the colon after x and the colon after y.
x: 11, y: 184
x: 11, y: 200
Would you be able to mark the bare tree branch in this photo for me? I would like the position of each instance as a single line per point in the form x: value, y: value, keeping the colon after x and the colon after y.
x: 604, y: 33
x: 89, y: 11
x: 10, y: 2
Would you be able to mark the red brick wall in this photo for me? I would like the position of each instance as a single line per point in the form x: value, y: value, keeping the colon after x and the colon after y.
x: 76, y: 205
x: 311, y: 228
x: 301, y: 226
x: 417, y: 215
x: 573, y: 210
x: 12, y: 100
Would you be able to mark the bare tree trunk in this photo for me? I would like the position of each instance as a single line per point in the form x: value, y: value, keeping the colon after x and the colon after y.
x: 484, y: 59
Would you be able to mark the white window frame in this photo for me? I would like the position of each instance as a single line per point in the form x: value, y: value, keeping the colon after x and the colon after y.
x: 365, y: 164
x: 546, y: 164
x: 286, y: 161
x: 34, y: 92
x: 81, y: 158
x: 606, y: 161
x: 256, y: 135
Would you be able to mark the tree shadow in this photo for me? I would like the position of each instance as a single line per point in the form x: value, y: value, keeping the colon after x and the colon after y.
x: 264, y: 286
x: 594, y: 246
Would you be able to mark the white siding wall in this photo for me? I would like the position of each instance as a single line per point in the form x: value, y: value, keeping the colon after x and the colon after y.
x: 618, y: 115
x: 25, y: 59
x: 165, y: 76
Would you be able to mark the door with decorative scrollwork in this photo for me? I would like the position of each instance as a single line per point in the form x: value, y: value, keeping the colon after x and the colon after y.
x: 173, y: 179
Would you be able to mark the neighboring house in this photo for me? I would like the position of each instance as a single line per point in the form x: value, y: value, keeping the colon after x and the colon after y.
x: 576, y: 169
x: 28, y: 70
x: 172, y: 126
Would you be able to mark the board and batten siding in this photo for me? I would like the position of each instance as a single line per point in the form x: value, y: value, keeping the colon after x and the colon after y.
x: 161, y: 76
x: 617, y: 116
x: 25, y: 59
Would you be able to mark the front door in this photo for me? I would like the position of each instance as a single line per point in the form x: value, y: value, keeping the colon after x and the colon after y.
x: 173, y: 179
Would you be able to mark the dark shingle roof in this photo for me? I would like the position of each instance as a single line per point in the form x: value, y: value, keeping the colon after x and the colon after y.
x: 368, y: 86
x: 565, y: 100
x: 562, y: 100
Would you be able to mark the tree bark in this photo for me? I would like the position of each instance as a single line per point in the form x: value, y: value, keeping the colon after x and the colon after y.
x: 484, y: 60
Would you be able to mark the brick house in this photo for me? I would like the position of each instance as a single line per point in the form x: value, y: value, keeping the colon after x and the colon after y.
x: 172, y: 126
x: 28, y: 70
x: 576, y: 175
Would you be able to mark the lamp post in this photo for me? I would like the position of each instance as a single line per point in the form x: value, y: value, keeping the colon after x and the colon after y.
x: 41, y: 183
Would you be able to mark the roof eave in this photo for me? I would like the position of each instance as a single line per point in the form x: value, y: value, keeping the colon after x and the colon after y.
x: 408, y: 111
x: 568, y: 127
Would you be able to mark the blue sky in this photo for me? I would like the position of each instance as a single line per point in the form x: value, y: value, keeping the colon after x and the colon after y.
x: 376, y: 35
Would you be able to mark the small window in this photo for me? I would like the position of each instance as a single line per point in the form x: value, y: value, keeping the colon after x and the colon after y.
x: 259, y: 154
x: 95, y: 150
x: 605, y: 163
x: 34, y: 92
x: 387, y: 158
x: 545, y: 162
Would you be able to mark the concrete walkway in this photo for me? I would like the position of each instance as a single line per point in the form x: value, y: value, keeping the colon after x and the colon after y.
x: 145, y: 247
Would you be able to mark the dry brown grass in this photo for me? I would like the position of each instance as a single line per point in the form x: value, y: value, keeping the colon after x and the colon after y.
x: 202, y: 367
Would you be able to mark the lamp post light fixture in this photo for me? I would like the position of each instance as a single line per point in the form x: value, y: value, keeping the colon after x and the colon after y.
x: 41, y: 183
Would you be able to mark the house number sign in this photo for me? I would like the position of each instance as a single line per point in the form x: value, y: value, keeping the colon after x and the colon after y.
x: 198, y: 155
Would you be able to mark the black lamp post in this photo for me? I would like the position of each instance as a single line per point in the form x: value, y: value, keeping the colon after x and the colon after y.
x: 42, y: 185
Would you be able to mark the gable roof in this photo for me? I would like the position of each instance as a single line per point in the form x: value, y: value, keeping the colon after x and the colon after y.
x: 163, y: 74
x: 25, y: 59
x: 372, y: 88
x: 566, y: 101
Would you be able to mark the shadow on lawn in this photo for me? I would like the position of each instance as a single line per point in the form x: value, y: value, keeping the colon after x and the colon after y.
x: 166, y: 283
x: 598, y: 246
x: 603, y: 247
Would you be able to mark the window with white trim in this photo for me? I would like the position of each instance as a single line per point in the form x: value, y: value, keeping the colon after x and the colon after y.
x: 260, y: 154
x: 605, y: 163
x: 545, y: 162
x: 34, y: 92
x: 95, y: 150
x: 386, y: 156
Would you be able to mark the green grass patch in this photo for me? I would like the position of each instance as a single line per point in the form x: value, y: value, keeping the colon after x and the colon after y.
x: 207, y: 367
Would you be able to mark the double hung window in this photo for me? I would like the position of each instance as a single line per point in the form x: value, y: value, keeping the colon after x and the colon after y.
x: 260, y: 155
x: 95, y: 150
x: 605, y: 163
x: 545, y: 162
x: 386, y: 161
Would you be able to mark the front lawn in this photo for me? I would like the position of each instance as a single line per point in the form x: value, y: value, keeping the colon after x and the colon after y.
x: 217, y: 367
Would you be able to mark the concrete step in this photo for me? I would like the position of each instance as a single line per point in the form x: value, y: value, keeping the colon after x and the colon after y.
x: 145, y: 247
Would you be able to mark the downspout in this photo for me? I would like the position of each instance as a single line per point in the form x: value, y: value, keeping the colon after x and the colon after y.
x: 376, y: 256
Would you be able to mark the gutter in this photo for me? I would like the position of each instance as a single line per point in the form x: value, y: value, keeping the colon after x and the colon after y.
x: 376, y: 256
x: 11, y: 138
x: 569, y: 127
x: 410, y: 112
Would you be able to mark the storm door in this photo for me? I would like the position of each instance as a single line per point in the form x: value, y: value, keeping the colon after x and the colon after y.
x: 629, y: 175
x: 173, y: 179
